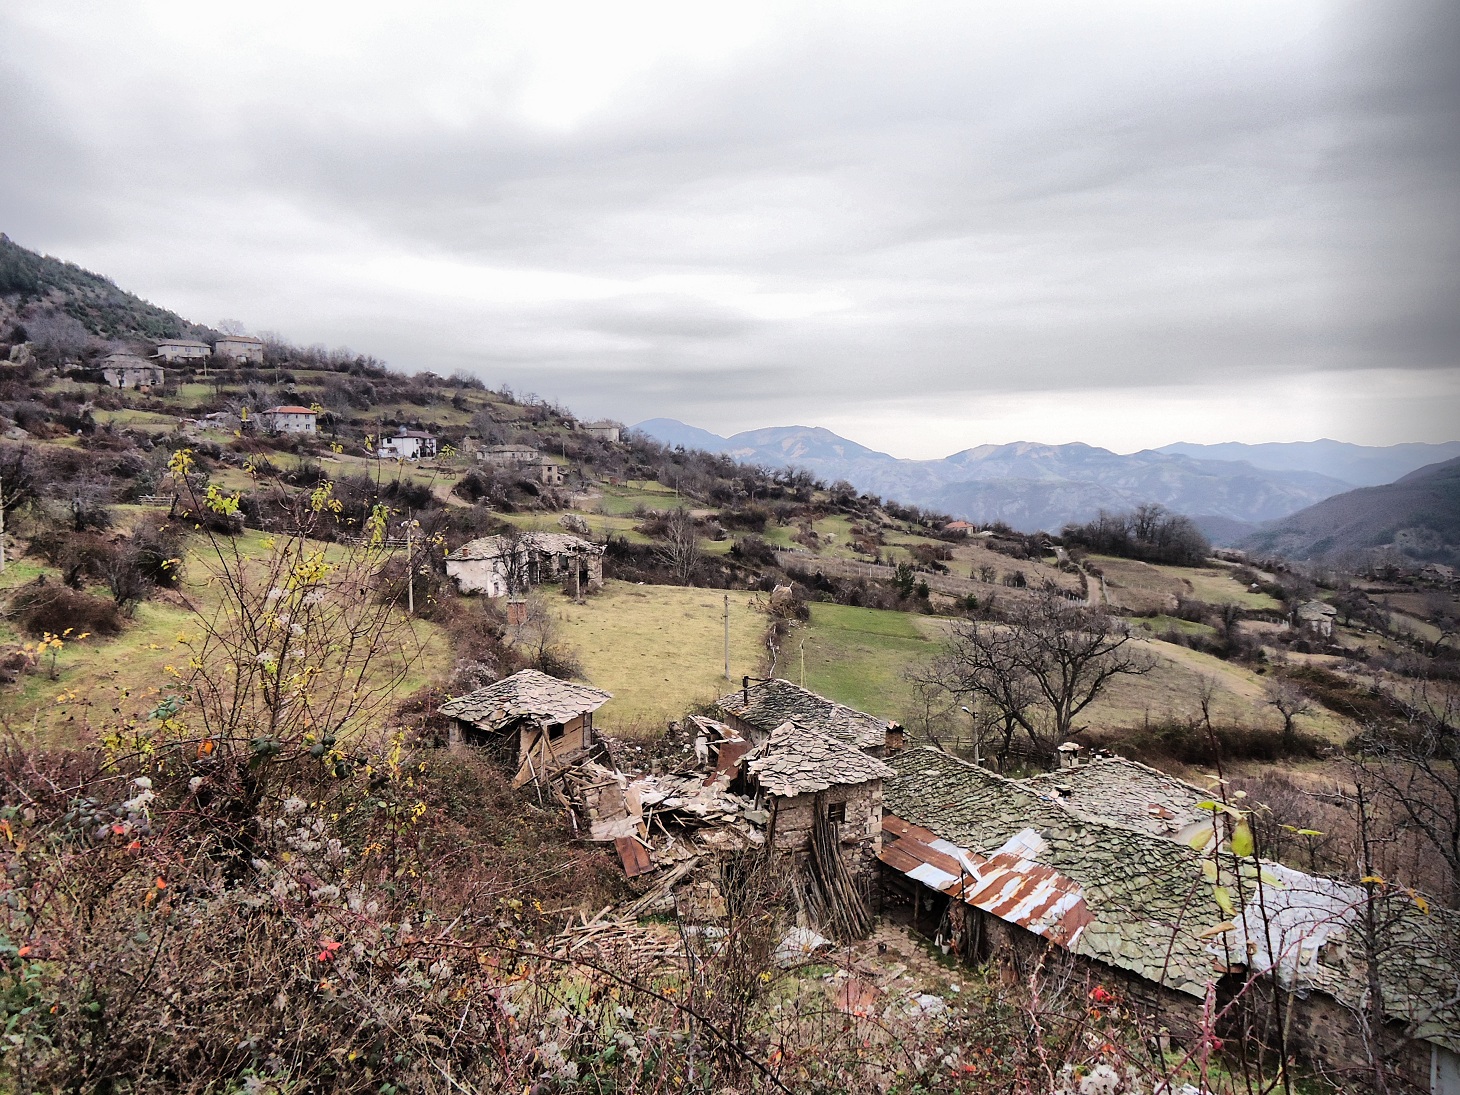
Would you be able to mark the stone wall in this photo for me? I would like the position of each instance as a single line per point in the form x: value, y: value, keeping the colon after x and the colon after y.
x: 859, y: 835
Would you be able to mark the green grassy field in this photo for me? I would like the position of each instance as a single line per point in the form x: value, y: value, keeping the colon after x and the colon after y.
x: 660, y: 649
x: 857, y: 656
x: 103, y: 680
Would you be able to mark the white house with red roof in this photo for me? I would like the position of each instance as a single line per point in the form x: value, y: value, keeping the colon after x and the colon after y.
x: 288, y: 419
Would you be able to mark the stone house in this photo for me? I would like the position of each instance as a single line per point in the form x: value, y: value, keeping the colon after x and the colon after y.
x: 408, y: 445
x: 131, y: 371
x: 800, y: 776
x: 507, y: 456
x: 288, y: 418
x: 173, y: 350
x: 758, y: 708
x: 243, y: 348
x: 959, y: 528
x: 1000, y: 871
x: 502, y: 565
x: 1315, y: 618
x: 535, y: 724
x: 603, y: 430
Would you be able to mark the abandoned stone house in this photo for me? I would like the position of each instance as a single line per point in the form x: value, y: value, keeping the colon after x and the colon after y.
x: 173, y: 350
x: 802, y: 777
x: 506, y: 456
x: 1003, y: 871
x: 243, y: 348
x: 534, y: 724
x: 500, y: 566
x: 131, y: 371
x: 1314, y: 618
x: 603, y: 430
x: 759, y: 707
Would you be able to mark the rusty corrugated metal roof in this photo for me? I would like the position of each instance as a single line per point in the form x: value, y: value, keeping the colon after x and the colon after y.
x: 1010, y: 884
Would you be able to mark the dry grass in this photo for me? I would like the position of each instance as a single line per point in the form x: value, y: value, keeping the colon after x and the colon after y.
x: 101, y: 682
x: 660, y: 649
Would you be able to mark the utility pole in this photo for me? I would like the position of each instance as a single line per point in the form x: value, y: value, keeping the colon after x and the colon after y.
x: 410, y: 570
x: 727, y: 636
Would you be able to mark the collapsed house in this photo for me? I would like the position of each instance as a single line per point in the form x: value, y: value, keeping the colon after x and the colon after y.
x: 501, y: 565
x: 759, y: 707
x: 1001, y: 870
x: 535, y: 724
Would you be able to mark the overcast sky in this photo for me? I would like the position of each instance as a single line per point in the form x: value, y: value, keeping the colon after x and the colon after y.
x: 923, y: 226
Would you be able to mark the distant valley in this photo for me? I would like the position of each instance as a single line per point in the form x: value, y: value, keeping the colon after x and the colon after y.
x: 1229, y: 489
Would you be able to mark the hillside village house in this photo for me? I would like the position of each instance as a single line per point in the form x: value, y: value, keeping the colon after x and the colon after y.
x: 959, y: 528
x: 288, y: 419
x: 174, y: 350
x: 1000, y: 870
x: 500, y: 565
x: 131, y: 371
x: 243, y: 348
x: 534, y: 723
x: 408, y: 445
x: 604, y: 430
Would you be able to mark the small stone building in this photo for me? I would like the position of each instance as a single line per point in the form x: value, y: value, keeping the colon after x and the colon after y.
x: 758, y: 708
x: 508, y: 456
x: 535, y: 724
x: 244, y: 348
x: 801, y: 776
x: 1315, y: 618
x: 173, y: 350
x: 604, y: 430
x: 131, y: 371
x: 499, y: 565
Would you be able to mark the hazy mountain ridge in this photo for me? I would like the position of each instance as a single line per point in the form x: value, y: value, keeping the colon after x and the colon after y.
x: 1418, y: 516
x: 1026, y: 484
x: 1361, y: 465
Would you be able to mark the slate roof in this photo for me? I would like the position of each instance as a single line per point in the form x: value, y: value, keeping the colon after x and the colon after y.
x: 190, y: 342
x: 795, y: 760
x: 1146, y: 896
x: 1125, y: 792
x: 548, y: 543
x: 776, y: 701
x: 1306, y: 929
x: 527, y: 692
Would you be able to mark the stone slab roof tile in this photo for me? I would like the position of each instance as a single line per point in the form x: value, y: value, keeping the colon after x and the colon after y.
x: 1146, y: 894
x: 548, y: 543
x: 767, y: 704
x: 1125, y: 792
x: 796, y: 760
x: 529, y: 693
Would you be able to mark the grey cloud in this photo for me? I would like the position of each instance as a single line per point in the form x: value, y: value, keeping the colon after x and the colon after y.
x: 1035, y: 201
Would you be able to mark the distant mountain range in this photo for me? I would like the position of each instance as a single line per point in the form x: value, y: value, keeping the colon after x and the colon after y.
x: 1418, y: 516
x: 1361, y: 465
x: 1031, y: 486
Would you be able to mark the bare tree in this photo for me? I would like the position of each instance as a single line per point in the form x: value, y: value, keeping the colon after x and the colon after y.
x: 681, y: 547
x: 1415, y: 770
x: 1288, y: 700
x: 514, y: 562
x: 1040, y: 667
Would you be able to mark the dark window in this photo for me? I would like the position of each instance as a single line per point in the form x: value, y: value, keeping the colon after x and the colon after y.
x: 555, y: 731
x: 836, y: 813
